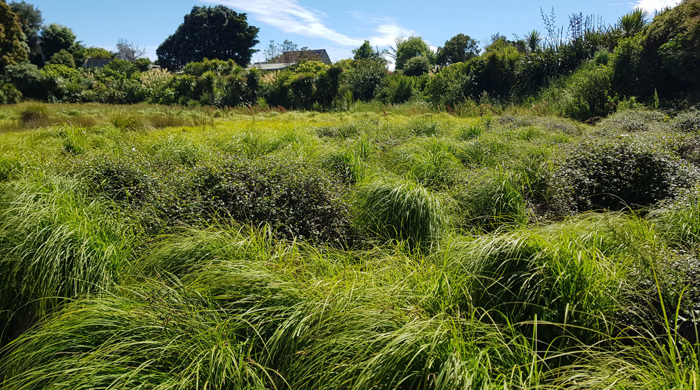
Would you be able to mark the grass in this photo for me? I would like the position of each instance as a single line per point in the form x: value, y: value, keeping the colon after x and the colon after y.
x: 121, y: 267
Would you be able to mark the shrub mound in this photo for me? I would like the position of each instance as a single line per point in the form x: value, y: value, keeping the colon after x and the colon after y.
x: 616, y: 176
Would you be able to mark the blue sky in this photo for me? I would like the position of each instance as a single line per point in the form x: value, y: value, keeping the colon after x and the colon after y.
x: 337, y: 26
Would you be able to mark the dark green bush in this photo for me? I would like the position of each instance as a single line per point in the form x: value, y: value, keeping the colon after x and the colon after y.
x: 294, y: 199
x: 417, y: 66
x: 117, y: 180
x: 616, y: 176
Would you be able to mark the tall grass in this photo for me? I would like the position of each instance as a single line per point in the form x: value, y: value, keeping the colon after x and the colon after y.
x: 56, y: 244
x: 400, y: 210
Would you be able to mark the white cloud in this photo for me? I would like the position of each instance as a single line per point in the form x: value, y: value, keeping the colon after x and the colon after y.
x: 656, y: 5
x: 289, y: 16
x: 387, y: 33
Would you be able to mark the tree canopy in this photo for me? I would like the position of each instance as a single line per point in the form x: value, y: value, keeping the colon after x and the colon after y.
x: 55, y: 38
x: 30, y: 19
x: 209, y: 32
x: 460, y: 48
x: 412, y: 47
x: 12, y: 46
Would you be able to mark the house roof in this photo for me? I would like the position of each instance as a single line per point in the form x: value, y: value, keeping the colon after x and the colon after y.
x: 302, y: 55
x: 273, y: 66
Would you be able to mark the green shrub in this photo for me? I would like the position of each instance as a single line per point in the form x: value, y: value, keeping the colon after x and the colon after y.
x: 399, y: 210
x: 688, y: 121
x: 417, y: 66
x: 616, y: 176
x: 632, y: 121
x: 121, y: 181
x: 296, y: 200
x: 587, y: 93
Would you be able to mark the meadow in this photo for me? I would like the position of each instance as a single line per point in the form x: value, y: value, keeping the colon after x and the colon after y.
x: 153, y: 247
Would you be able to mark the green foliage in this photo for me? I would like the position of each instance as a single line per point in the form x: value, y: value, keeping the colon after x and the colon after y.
x: 209, y: 32
x: 450, y: 86
x: 416, y: 66
x: 296, y: 201
x: 396, y: 88
x: 412, y: 47
x: 617, y: 176
x: 680, y: 220
x: 63, y: 57
x: 31, y: 20
x: 587, y: 93
x: 364, y: 77
x: 365, y: 52
x: 55, y: 38
x: 460, y: 48
x: 12, y: 47
x: 399, y: 210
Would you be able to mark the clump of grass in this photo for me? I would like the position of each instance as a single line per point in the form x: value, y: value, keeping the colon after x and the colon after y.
x: 400, y: 210
x: 432, y: 163
x: 168, y: 118
x: 126, y: 121
x: 34, y: 115
x: 679, y: 220
x: 490, y: 201
x: 56, y: 244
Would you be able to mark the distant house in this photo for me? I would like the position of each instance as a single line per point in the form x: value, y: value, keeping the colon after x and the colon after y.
x: 95, y: 62
x: 290, y: 58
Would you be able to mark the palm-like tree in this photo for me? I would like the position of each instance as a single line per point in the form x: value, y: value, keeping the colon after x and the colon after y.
x: 633, y: 22
x: 533, y: 40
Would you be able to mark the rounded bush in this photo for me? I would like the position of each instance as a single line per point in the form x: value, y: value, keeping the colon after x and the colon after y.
x: 296, y: 200
x: 616, y: 176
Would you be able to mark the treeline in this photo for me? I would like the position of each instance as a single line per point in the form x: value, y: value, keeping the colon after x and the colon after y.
x: 584, y: 74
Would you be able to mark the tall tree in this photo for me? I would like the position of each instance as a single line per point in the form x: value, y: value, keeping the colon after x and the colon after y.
x: 55, y: 38
x: 31, y: 20
x: 460, y: 48
x: 365, y: 52
x: 412, y: 47
x: 12, y: 46
x: 209, y: 32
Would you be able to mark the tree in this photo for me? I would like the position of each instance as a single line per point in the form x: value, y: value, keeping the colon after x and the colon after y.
x: 460, y: 48
x: 416, y: 66
x: 31, y: 20
x: 12, y: 47
x: 55, y: 38
x: 412, y: 47
x: 365, y: 52
x: 128, y: 51
x: 63, y: 57
x: 209, y: 32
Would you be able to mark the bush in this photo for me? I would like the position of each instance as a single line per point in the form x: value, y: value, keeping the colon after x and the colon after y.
x: 417, y: 66
x: 616, y: 176
x: 631, y: 121
x: 399, y: 210
x: 296, y: 200
x: 587, y: 93
x: 688, y: 121
x: 117, y: 180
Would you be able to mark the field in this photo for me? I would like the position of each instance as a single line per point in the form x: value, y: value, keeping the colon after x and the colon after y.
x: 151, y: 247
